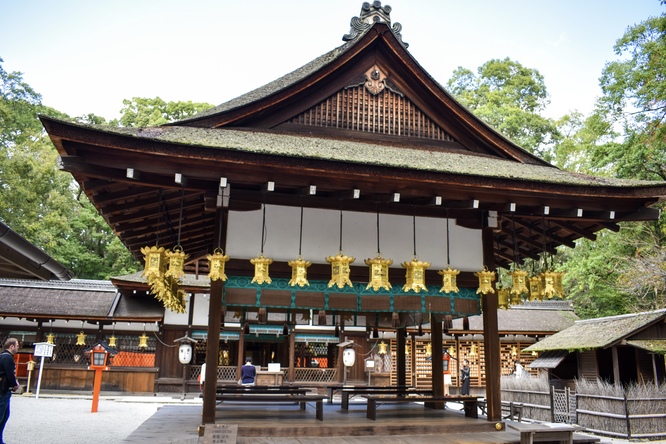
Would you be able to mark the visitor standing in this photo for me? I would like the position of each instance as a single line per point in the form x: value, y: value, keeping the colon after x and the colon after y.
x: 8, y: 382
x: 464, y: 378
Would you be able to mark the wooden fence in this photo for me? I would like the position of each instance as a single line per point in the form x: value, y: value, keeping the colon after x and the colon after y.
x: 622, y: 417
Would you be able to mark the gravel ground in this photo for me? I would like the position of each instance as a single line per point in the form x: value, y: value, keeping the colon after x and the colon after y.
x: 63, y: 419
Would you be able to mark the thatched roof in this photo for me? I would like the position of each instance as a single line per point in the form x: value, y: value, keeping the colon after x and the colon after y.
x: 599, y: 333
x: 532, y: 317
x: 78, y: 299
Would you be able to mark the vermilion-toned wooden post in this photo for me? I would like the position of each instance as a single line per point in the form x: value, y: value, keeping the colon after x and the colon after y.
x: 97, y: 386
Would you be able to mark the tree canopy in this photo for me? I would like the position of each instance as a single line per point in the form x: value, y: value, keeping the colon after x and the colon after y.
x: 44, y: 204
x: 509, y: 97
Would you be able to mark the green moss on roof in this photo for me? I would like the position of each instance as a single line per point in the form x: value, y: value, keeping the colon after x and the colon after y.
x: 597, y: 333
x: 277, y: 144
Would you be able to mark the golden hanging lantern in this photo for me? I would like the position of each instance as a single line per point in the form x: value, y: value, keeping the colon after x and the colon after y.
x: 176, y: 262
x: 415, y: 275
x: 514, y: 351
x: 557, y: 283
x: 503, y: 298
x: 549, y: 284
x: 515, y: 298
x: 406, y: 348
x: 299, y: 272
x: 382, y: 348
x: 216, y: 263
x: 486, y: 279
x: 340, y: 270
x: 143, y: 340
x: 451, y: 351
x: 113, y: 341
x: 155, y: 262
x: 472, y: 350
x: 379, y: 273
x: 261, y: 264
x: 449, y: 280
x: 81, y: 338
x: 50, y: 339
x: 518, y: 281
x: 428, y: 349
x: 535, y: 289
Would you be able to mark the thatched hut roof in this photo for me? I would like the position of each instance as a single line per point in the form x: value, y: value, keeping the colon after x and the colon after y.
x: 601, y: 332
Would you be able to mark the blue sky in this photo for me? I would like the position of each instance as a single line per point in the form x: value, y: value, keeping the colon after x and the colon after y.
x: 87, y: 56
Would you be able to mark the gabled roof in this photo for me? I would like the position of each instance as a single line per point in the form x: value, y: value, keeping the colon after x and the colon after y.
x: 601, y: 332
x: 530, y: 318
x: 379, y: 48
x: 366, y: 117
x: 77, y: 299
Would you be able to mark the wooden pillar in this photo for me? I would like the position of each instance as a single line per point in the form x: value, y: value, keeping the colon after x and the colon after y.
x: 241, y: 351
x: 616, y: 366
x: 437, y: 364
x: 491, y: 336
x: 401, y: 361
x: 292, y: 355
x: 214, y: 321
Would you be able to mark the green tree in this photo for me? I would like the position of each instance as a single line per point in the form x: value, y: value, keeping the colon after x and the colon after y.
x: 509, y: 97
x: 141, y: 111
x: 634, y: 96
x: 624, y: 137
x: 42, y: 203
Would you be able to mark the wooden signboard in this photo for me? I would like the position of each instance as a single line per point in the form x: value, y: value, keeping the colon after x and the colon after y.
x: 220, y: 434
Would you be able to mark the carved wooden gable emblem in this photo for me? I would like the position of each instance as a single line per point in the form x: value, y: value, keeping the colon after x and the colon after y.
x: 375, y: 80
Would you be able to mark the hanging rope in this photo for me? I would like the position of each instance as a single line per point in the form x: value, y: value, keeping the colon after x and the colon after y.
x: 448, y: 249
x: 379, y: 252
x: 300, y: 239
x: 263, y: 226
x: 414, y: 228
x: 180, y: 217
x: 516, y: 256
x: 340, y: 225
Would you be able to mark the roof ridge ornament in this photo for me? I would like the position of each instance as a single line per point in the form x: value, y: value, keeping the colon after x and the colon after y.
x: 371, y: 14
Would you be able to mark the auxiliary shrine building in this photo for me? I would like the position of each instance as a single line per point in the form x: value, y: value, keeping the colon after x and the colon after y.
x: 352, y: 203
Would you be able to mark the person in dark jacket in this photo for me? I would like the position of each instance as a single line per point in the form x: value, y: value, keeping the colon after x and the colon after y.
x: 464, y: 378
x: 248, y: 372
x: 8, y: 382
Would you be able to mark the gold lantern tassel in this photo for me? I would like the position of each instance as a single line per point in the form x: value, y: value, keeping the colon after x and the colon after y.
x: 299, y: 272
x: 415, y: 275
x: 379, y: 273
x: 340, y: 270
x: 261, y: 265
x: 486, y: 279
x: 449, y: 280
x: 216, y: 264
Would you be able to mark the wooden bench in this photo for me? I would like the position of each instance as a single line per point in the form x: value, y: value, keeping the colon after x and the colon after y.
x: 513, y: 411
x: 470, y: 402
x: 348, y: 393
x: 340, y: 387
x: 530, y: 433
x: 281, y: 398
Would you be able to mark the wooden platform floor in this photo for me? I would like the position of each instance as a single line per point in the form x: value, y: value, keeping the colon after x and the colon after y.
x: 287, y: 424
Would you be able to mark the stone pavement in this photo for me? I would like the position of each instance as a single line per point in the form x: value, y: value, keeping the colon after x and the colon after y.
x: 66, y: 419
